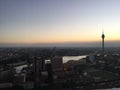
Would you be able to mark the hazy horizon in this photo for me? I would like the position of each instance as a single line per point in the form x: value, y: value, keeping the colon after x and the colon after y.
x: 66, y: 44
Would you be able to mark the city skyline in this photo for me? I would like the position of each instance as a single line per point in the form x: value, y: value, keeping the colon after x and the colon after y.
x: 59, y: 22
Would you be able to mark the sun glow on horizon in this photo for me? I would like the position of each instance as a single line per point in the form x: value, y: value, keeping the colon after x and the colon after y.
x: 56, y: 21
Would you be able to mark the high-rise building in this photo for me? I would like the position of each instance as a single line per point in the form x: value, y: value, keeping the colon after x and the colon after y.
x: 57, y: 66
x: 48, y: 67
x: 37, y: 67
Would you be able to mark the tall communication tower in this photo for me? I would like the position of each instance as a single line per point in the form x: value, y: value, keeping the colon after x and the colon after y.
x: 103, y: 36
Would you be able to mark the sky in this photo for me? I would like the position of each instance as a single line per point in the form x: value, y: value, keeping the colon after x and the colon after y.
x: 64, y: 22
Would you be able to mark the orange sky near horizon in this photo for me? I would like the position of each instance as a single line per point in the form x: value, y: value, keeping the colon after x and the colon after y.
x: 59, y: 21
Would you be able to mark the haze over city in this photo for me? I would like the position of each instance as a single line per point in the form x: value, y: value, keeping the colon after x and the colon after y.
x: 59, y: 22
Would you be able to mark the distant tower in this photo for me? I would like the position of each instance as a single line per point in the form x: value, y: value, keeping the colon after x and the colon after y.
x: 103, y: 36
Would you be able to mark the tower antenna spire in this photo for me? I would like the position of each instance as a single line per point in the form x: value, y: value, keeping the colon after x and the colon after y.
x: 102, y: 31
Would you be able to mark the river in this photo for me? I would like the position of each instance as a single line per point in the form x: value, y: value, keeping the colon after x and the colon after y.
x: 19, y: 68
x: 67, y: 58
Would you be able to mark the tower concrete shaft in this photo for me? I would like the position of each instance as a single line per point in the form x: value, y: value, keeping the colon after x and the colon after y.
x: 103, y: 36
